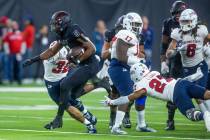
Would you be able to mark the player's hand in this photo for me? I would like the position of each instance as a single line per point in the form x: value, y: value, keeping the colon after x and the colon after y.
x: 56, y: 123
x: 107, y: 101
x: 164, y: 68
x: 73, y: 60
x: 27, y: 62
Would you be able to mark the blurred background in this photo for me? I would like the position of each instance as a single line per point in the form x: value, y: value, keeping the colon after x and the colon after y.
x: 24, y: 28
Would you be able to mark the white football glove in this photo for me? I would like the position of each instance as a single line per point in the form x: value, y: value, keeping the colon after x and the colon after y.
x: 196, y: 76
x: 107, y: 101
x: 164, y: 68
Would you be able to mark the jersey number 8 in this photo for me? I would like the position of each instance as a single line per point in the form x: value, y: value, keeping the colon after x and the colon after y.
x: 191, y: 50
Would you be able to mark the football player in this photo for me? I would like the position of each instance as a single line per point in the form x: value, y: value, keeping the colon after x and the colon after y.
x: 125, y: 52
x: 179, y: 91
x: 106, y: 55
x: 70, y: 35
x: 55, y: 69
x: 171, y: 67
x: 189, y: 40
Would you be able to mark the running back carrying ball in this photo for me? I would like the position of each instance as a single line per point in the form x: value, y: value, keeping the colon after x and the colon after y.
x: 74, y: 54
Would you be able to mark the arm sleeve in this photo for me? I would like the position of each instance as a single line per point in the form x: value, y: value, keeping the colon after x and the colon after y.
x: 120, y: 101
x: 175, y: 34
x: 165, y: 28
x: 109, y: 35
x: 77, y: 32
x: 204, y: 31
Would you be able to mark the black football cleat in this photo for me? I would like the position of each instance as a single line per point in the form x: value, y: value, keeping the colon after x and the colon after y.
x: 91, y: 129
x: 170, y: 126
x: 56, y: 123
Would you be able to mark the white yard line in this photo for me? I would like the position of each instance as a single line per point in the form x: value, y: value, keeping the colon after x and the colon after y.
x: 77, y: 133
x: 100, y: 120
x: 31, y: 89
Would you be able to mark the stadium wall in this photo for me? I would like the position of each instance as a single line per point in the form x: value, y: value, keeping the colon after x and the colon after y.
x: 87, y: 12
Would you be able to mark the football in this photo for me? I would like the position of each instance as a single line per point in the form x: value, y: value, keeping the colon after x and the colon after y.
x: 75, y: 52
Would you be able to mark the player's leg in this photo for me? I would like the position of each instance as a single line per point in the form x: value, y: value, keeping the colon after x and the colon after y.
x: 113, y: 109
x: 171, y: 112
x: 184, y: 102
x: 140, y: 108
x: 126, y: 119
x: 53, y: 89
x: 120, y: 76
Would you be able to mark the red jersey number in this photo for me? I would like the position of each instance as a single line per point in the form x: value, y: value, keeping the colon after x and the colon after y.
x: 128, y: 38
x: 62, y: 67
x: 191, y: 50
x: 157, y: 85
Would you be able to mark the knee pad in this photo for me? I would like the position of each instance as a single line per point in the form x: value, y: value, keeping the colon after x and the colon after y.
x: 193, y: 114
x: 171, y: 106
x: 141, y: 101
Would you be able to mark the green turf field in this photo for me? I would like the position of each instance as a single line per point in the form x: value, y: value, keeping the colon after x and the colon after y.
x: 22, y: 116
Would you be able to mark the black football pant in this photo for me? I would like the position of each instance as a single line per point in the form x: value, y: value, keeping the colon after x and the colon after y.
x: 75, y: 79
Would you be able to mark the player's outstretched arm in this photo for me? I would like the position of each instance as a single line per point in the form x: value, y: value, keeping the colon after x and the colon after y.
x: 171, y: 51
x: 51, y: 51
x: 88, y: 46
x: 126, y: 99
x: 106, y: 50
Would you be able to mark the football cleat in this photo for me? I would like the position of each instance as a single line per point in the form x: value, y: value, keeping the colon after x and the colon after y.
x: 145, y: 129
x: 170, y: 126
x: 103, y: 83
x: 56, y: 123
x: 126, y: 122
x: 91, y: 129
x: 118, y: 131
x: 111, y: 123
x: 206, y: 117
x: 90, y: 117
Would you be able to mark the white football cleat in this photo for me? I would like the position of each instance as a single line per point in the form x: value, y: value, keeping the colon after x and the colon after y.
x: 206, y: 118
x: 118, y: 131
x: 145, y: 129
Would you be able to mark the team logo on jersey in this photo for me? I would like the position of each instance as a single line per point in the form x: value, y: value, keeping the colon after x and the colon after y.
x: 186, y: 70
x: 76, y: 33
x: 49, y: 86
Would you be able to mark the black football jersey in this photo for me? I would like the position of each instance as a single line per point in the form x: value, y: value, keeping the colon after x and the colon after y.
x: 175, y: 63
x: 69, y: 38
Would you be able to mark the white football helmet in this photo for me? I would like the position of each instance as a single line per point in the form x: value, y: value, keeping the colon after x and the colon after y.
x: 188, y: 20
x: 138, y: 71
x: 133, y: 22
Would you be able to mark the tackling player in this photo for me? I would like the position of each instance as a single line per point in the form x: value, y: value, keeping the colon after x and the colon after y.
x: 171, y: 67
x: 189, y: 40
x: 70, y: 35
x: 179, y: 91
x: 126, y: 52
x: 55, y: 69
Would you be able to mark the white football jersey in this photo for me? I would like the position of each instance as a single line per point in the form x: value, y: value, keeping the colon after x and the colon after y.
x: 56, y: 67
x: 206, y: 51
x: 157, y: 86
x: 192, y: 52
x: 128, y: 37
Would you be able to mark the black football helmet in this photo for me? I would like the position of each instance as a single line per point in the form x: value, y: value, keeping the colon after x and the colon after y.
x: 119, y: 24
x: 178, y: 7
x: 59, y: 22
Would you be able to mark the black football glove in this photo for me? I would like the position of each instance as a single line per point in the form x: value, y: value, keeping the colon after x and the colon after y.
x: 28, y: 62
x: 73, y: 60
x: 56, y: 123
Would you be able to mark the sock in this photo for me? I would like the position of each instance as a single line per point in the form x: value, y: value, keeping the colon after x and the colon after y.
x: 60, y: 110
x: 84, y: 111
x: 141, y: 118
x: 112, y: 115
x: 207, y: 104
x: 119, y: 117
x: 86, y: 122
x: 202, y: 107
